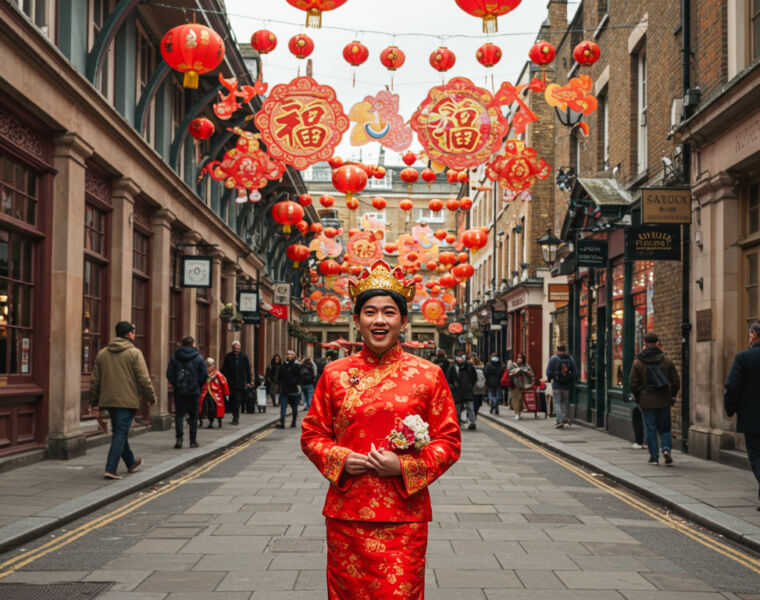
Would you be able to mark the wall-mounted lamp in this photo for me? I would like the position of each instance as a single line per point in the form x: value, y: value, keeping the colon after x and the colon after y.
x: 701, y: 283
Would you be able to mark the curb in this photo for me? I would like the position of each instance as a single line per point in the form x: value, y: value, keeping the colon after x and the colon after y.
x: 28, y: 528
x: 733, y: 528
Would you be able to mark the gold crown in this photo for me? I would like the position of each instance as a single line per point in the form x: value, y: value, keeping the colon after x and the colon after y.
x: 381, y: 277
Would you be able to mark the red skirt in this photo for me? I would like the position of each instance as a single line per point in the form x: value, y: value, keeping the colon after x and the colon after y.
x: 376, y: 561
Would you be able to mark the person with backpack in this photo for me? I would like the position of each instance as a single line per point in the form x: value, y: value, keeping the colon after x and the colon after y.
x: 562, y: 372
x: 493, y: 372
x: 308, y: 381
x: 654, y: 383
x: 187, y: 373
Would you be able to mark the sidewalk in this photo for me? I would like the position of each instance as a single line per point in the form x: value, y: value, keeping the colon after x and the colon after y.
x: 40, y: 497
x: 716, y: 496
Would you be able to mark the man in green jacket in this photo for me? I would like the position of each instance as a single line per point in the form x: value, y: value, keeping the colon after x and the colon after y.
x: 119, y: 381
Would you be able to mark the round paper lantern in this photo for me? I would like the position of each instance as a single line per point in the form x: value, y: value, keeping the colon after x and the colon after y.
x: 409, y: 175
x: 263, y: 41
x: 474, y: 239
x: 201, y: 128
x: 314, y: 9
x: 442, y: 59
x: 390, y: 248
x: 355, y: 53
x: 349, y: 180
x: 485, y: 229
x: 411, y: 256
x: 305, y: 199
x: 327, y: 201
x: 287, y: 213
x: 330, y: 269
x: 447, y: 258
x: 379, y: 203
x: 193, y: 50
x: 452, y: 204
x: 335, y: 162
x: 330, y: 232
x: 298, y: 253
x: 392, y: 58
x: 463, y: 271
x: 541, y: 53
x: 452, y: 175
x: 441, y: 234
x: 352, y: 203
x: 405, y: 205
x: 409, y: 158
x: 379, y: 173
x: 301, y: 45
x: 448, y: 281
x: 435, y: 205
x: 428, y: 175
x: 431, y: 265
x: 488, y: 54
x: 451, y: 238
x: 303, y: 227
x: 462, y: 257
x: 316, y: 228
x: 488, y: 10
x: 417, y: 279
x: 465, y: 203
x: 463, y: 177
x: 586, y: 53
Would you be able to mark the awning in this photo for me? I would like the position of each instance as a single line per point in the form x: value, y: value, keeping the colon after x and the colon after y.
x: 609, y: 200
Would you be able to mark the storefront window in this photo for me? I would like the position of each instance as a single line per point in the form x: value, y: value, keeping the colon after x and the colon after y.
x: 140, y: 290
x: 618, y: 284
x: 583, y: 313
x: 94, y: 288
x: 202, y: 304
x: 642, y: 291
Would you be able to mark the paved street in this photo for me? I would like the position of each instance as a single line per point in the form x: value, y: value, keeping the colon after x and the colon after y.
x: 510, y: 522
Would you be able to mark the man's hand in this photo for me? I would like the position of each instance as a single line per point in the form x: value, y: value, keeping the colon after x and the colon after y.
x: 386, y: 463
x: 356, y: 464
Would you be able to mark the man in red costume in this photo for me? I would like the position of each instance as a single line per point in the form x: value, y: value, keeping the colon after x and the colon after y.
x: 378, y: 505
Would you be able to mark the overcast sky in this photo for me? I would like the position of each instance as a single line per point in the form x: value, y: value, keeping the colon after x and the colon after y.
x: 374, y: 23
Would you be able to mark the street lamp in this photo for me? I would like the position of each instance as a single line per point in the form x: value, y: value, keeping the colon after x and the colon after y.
x: 569, y: 118
x: 565, y: 179
x: 549, y: 244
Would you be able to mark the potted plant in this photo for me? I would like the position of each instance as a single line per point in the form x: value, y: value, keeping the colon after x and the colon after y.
x: 227, y: 313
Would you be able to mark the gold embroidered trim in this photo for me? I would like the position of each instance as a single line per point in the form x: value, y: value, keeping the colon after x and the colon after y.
x: 336, y: 456
x: 414, y: 471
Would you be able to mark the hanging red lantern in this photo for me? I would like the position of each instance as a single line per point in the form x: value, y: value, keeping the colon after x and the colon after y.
x: 330, y: 232
x: 465, y: 203
x: 485, y: 229
x: 452, y: 175
x: 355, y: 53
x: 201, y: 128
x: 488, y: 54
x: 441, y: 234
x: 405, y: 205
x: 452, y: 204
x: 379, y: 173
x: 417, y: 279
x: 352, y: 203
x: 330, y: 269
x: 409, y: 176
x: 586, y: 53
x: 390, y: 248
x: 488, y: 10
x: 392, y: 58
x: 451, y: 238
x: 349, y: 180
x: 379, y: 203
x: 301, y: 45
x: 431, y: 265
x: 298, y: 253
x: 463, y: 271
x: 409, y: 158
x: 327, y: 201
x: 462, y: 257
x: 428, y: 175
x: 263, y: 41
x: 541, y: 53
x: 474, y: 239
x: 193, y: 50
x: 447, y: 258
x: 448, y: 281
x: 442, y: 59
x: 335, y: 162
x: 316, y: 228
x: 303, y: 227
x: 314, y: 9
x: 435, y: 205
x: 463, y: 177
x: 305, y: 199
x: 287, y: 213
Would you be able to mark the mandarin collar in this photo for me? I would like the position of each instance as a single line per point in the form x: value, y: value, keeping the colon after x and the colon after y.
x: 392, y: 354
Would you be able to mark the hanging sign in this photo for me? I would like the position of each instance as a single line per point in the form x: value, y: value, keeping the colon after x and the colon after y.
x: 301, y: 122
x: 459, y: 125
x: 592, y: 253
x: 666, y: 205
x: 559, y: 293
x: 653, y: 242
x: 363, y: 248
x: 377, y: 119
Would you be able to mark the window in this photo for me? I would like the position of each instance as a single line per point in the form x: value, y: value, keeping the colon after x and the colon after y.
x: 17, y: 289
x: 754, y: 29
x: 381, y: 184
x: 141, y: 290
x: 751, y: 261
x: 178, y: 115
x: 40, y: 12
x: 175, y: 305
x: 642, y: 290
x: 18, y: 191
x: 604, y: 132
x: 584, y: 325
x: 202, y: 303
x: 428, y: 216
x: 618, y: 295
x: 99, y: 11
x: 753, y: 210
x: 146, y: 64
x: 641, y: 110
x: 94, y: 289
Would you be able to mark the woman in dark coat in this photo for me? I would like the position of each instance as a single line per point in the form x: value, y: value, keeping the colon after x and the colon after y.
x: 271, y: 376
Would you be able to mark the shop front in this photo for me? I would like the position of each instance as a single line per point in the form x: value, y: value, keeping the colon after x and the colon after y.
x: 523, y: 332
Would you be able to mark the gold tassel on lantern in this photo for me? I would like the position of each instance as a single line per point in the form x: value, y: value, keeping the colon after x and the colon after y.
x: 314, y: 18
x: 490, y: 24
x: 190, y: 80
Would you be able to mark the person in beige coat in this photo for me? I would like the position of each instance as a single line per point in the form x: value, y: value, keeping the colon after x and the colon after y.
x: 521, y: 376
x: 119, y: 381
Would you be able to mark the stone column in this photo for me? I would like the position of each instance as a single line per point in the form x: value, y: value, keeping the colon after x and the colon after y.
x: 123, y: 192
x: 229, y: 270
x: 216, y: 327
x: 65, y: 439
x: 189, y: 308
x: 160, y: 279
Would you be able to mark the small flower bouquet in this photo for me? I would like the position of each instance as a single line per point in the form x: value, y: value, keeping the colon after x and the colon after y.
x: 411, y: 432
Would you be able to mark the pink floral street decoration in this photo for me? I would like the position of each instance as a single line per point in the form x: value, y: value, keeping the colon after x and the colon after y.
x: 412, y: 432
x: 377, y: 119
x: 518, y: 168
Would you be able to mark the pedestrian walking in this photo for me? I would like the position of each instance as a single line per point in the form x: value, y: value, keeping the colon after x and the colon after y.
x: 270, y: 378
x: 493, y: 372
x: 479, y: 389
x: 562, y: 372
x: 378, y: 504
x: 742, y: 398
x: 187, y: 373
x: 442, y: 360
x: 289, y: 380
x: 237, y: 369
x: 308, y: 377
x: 118, y: 382
x: 654, y: 383
x: 521, y: 378
x: 462, y: 377
x: 214, y: 394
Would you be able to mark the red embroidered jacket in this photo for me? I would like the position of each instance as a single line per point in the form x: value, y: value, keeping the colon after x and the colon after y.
x: 356, y: 403
x: 216, y: 385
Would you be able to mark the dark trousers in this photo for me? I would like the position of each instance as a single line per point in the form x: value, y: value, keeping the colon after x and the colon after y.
x: 237, y: 397
x: 638, y: 425
x: 753, y: 451
x: 292, y: 400
x: 186, y: 405
x: 121, y: 421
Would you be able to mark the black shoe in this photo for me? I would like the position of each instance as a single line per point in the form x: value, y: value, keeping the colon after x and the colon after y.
x: 235, y: 422
x: 220, y: 423
x: 193, y: 444
x: 471, y: 426
x: 178, y: 444
x: 293, y: 424
x: 668, y: 457
x: 210, y: 425
x: 280, y: 425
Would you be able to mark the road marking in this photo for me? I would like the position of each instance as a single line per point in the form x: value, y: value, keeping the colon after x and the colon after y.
x: 736, y: 555
x: 14, y: 564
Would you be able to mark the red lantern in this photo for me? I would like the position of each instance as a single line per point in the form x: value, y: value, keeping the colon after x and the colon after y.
x: 335, y: 162
x: 298, y: 253
x: 586, y: 53
x: 301, y: 45
x: 451, y: 238
x: 411, y: 256
x: 452, y: 175
x: 327, y: 201
x: 379, y: 203
x: 441, y: 234
x: 263, y: 41
x: 352, y: 203
x: 409, y: 176
x: 541, y: 53
x: 488, y: 10
x: 428, y: 175
x: 355, y: 53
x: 330, y: 232
x: 435, y: 205
x: 390, y: 248
x: 485, y: 229
x: 448, y: 281
x: 417, y: 279
x: 314, y: 9
x: 463, y: 271
x: 462, y: 257
x: 465, y: 203
x: 303, y: 227
x: 392, y: 58
x: 431, y: 265
x: 379, y: 173
x: 463, y: 177
x: 330, y: 269
x: 316, y: 228
x: 305, y: 199
x: 447, y: 258
x: 349, y: 180
x: 405, y: 205
x: 201, y: 128
x: 474, y: 239
x: 452, y: 204
x: 193, y: 50
x: 488, y: 54
x: 287, y: 213
x: 442, y: 59
x: 409, y: 158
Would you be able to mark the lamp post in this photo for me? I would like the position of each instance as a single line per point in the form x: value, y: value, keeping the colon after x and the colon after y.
x: 549, y: 244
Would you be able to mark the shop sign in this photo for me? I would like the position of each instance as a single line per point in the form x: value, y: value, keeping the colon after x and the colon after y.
x: 281, y: 293
x: 653, y: 242
x: 495, y: 327
x: 666, y: 205
x: 592, y: 253
x: 517, y: 302
x: 559, y: 292
x: 499, y: 316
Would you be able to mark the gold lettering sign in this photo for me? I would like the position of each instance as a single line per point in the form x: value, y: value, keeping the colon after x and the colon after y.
x: 665, y: 205
x: 559, y: 293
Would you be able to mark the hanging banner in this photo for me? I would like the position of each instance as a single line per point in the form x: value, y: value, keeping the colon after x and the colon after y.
x: 363, y: 248
x: 653, y: 242
x: 592, y: 253
x: 666, y: 205
x: 433, y: 309
x: 518, y: 168
x: 328, y: 308
x: 377, y: 119
x: 301, y: 122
